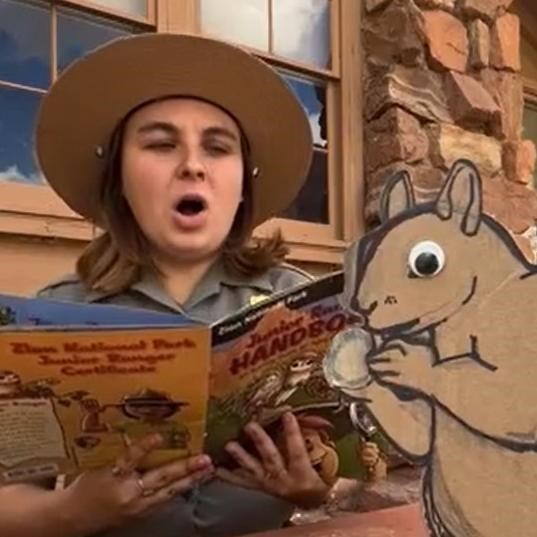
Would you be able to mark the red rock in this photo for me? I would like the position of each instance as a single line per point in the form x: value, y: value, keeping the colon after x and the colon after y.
x: 479, y: 44
x: 447, y: 39
x: 470, y: 103
x: 519, y: 161
x: 426, y: 178
x: 449, y: 143
x: 505, y: 43
x: 392, y: 37
x: 418, y: 90
x: 436, y: 4
x: 372, y: 5
x: 487, y: 10
x: 512, y: 204
x: 508, y: 91
x: 395, y: 136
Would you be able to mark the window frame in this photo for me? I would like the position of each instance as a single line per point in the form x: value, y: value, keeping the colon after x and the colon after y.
x: 37, y: 211
x: 528, y: 30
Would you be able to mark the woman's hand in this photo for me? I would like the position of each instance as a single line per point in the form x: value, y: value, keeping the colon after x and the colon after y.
x: 110, y: 497
x: 289, y: 476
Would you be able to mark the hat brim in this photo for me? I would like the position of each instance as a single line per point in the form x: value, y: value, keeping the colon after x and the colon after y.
x: 94, y: 94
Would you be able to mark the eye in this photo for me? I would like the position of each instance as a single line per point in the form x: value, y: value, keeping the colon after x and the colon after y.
x: 161, y: 145
x: 426, y: 259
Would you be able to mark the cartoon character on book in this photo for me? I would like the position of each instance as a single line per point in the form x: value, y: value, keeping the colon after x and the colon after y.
x: 319, y: 444
x: 148, y: 411
x: 446, y: 358
x: 12, y: 386
x: 272, y: 390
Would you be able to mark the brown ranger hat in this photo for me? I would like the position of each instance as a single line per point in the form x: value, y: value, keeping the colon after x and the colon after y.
x: 83, y: 107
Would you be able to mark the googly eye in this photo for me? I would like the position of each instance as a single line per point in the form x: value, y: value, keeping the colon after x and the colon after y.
x: 426, y: 259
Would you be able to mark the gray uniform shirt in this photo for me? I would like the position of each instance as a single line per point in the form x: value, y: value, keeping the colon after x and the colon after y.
x: 214, y: 509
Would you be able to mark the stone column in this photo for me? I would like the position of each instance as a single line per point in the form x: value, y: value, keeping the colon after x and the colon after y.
x: 442, y: 81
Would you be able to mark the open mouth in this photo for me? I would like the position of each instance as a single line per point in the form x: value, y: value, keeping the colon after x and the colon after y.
x: 191, y: 205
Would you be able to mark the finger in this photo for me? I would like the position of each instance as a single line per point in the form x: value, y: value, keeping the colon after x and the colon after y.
x: 370, y: 460
x: 296, y: 447
x: 269, y: 453
x: 136, y: 453
x: 164, y: 475
x: 382, y: 367
x: 245, y: 460
x: 370, y: 448
x: 175, y: 488
x: 380, y: 360
x: 397, y: 345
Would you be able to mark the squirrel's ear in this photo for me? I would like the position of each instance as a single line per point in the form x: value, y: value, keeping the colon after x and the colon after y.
x: 461, y: 196
x: 397, y: 196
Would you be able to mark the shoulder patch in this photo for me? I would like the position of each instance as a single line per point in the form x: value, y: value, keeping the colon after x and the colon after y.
x: 255, y: 299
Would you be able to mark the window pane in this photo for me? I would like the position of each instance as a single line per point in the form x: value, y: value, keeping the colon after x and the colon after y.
x: 132, y: 7
x: 311, y: 204
x: 19, y: 109
x: 312, y: 95
x: 301, y: 30
x: 530, y: 129
x: 25, y: 43
x: 78, y: 34
x: 244, y: 22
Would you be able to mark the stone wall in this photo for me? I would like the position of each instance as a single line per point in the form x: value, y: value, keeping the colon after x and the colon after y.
x: 442, y: 81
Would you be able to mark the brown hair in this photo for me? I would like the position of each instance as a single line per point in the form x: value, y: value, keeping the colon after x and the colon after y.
x: 114, y: 261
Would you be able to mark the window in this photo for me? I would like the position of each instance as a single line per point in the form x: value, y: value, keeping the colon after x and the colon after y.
x: 301, y: 38
x: 31, y: 55
x: 528, y: 53
x: 38, y: 39
x: 294, y: 32
x: 530, y: 125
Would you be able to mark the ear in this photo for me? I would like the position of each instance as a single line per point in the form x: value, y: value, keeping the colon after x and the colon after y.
x: 397, y: 196
x: 461, y: 197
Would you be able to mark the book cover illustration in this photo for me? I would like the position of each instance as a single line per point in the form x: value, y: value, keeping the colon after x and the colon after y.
x: 72, y: 400
x: 268, y: 360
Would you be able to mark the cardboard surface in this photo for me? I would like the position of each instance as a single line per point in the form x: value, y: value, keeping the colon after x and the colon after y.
x: 448, y: 339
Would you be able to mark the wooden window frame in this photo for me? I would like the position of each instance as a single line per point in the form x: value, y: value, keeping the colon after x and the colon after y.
x: 528, y: 21
x: 37, y: 210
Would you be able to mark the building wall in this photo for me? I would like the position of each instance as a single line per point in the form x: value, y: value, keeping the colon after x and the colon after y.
x: 443, y: 82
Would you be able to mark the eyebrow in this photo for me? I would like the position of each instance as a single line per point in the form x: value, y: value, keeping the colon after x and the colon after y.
x: 221, y: 131
x: 170, y: 128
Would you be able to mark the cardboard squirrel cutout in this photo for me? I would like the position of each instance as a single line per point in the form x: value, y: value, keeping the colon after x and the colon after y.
x: 446, y: 357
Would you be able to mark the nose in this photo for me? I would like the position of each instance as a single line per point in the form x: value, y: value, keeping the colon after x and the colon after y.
x: 191, y: 167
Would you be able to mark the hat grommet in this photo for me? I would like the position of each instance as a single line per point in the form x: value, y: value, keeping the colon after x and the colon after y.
x: 99, y: 151
x: 256, y: 172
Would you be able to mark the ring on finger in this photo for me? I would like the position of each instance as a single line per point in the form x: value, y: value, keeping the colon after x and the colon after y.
x: 145, y: 491
x: 118, y: 471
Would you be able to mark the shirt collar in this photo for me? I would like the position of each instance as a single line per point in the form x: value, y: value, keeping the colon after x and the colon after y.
x: 210, y: 285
